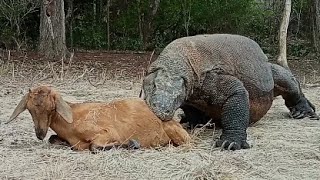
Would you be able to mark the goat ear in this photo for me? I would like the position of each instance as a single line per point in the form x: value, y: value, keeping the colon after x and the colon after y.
x: 20, y: 108
x: 63, y: 109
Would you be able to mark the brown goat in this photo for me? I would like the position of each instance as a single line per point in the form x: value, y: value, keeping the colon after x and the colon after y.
x: 93, y: 126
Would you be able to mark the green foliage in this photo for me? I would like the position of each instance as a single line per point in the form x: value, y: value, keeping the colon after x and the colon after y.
x: 125, y: 28
x: 174, y: 19
x: 209, y: 16
x: 126, y: 43
x: 88, y: 36
x: 88, y: 31
x: 299, y: 48
x: 13, y: 15
x: 259, y: 20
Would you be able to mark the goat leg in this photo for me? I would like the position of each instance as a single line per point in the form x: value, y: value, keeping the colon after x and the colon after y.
x: 176, y: 133
x: 56, y: 140
x: 131, y: 144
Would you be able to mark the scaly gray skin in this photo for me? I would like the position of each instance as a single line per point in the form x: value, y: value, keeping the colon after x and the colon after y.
x: 288, y: 87
x: 285, y: 85
x: 225, y: 76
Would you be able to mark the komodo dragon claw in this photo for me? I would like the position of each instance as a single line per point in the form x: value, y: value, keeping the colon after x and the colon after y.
x: 231, y: 145
x: 303, y: 109
x: 303, y: 114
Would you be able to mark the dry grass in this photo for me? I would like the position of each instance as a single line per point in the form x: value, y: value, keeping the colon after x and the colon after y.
x: 282, y: 148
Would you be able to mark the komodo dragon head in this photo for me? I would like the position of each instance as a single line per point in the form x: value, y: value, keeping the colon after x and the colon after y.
x: 164, y: 94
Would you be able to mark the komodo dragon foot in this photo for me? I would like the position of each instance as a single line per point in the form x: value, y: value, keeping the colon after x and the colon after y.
x: 303, y: 109
x: 231, y: 141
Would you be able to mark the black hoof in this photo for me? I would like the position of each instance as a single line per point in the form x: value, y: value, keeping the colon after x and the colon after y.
x: 133, y: 144
x: 54, y: 139
x: 94, y: 149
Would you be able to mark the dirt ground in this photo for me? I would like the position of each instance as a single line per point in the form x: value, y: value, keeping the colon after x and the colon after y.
x: 282, y: 148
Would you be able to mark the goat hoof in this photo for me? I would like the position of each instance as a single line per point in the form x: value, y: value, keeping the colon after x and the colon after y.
x: 94, y: 149
x: 56, y: 140
x: 133, y: 144
x: 53, y: 139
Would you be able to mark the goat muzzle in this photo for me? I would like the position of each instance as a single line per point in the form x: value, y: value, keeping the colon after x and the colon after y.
x: 40, y: 134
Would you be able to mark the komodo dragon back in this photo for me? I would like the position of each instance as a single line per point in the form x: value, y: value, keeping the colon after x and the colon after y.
x: 222, y: 53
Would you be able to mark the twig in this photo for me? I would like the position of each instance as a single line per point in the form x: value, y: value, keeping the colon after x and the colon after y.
x: 9, y: 55
x: 314, y: 85
x: 42, y: 70
x: 195, y: 132
x: 150, y: 59
x: 55, y: 76
x: 82, y: 75
x: 62, y: 63
x: 12, y: 70
x: 143, y: 70
x: 45, y: 78
x: 100, y: 83
x: 70, y: 61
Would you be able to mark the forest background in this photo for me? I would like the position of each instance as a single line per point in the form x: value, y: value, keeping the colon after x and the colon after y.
x: 142, y: 25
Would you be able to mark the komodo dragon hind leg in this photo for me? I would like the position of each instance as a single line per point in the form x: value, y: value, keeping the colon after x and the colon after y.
x: 288, y: 87
x: 235, y: 110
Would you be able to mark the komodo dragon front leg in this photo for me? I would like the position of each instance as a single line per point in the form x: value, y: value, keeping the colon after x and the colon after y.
x: 229, y: 93
x: 288, y: 87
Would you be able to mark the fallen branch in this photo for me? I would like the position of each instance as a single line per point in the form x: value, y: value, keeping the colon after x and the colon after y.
x: 82, y: 75
x: 100, y: 83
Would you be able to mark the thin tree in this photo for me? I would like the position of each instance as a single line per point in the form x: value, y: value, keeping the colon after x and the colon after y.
x: 140, y: 20
x: 52, y: 29
x: 148, y: 22
x: 282, y: 58
x: 108, y: 23
x: 186, y: 10
x: 69, y: 21
x: 316, y: 24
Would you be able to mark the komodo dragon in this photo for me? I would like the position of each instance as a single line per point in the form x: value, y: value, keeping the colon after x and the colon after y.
x: 227, y: 77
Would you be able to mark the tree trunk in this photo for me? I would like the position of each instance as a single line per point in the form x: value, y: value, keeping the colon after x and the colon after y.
x: 186, y: 9
x: 140, y: 20
x: 108, y: 24
x: 282, y: 58
x: 316, y: 25
x: 69, y: 21
x: 52, y: 29
x: 148, y: 22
